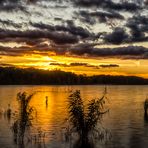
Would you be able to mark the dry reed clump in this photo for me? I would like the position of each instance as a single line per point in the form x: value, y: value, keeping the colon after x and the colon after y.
x: 86, y: 120
x: 23, y: 118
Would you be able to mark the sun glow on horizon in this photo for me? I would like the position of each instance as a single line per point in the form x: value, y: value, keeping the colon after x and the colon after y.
x: 88, y: 66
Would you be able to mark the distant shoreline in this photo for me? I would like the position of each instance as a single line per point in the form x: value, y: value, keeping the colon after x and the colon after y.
x: 73, y: 84
x: 31, y: 76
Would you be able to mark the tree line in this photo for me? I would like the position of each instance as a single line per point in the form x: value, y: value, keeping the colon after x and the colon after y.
x: 31, y: 76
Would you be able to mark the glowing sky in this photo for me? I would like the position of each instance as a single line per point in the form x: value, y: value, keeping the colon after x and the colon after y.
x: 82, y: 36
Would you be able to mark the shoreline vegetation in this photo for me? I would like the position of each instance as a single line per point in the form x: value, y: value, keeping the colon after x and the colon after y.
x: 83, y: 126
x: 31, y: 76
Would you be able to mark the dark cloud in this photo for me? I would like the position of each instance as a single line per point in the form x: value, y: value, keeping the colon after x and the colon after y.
x: 71, y: 64
x: 84, y: 65
x: 32, y: 1
x: 118, y: 36
x: 58, y: 34
x: 88, y: 3
x: 89, y: 50
x: 63, y: 38
x: 8, y: 51
x: 100, y: 15
x: 66, y: 35
x: 25, y: 50
x: 109, y: 66
x: 146, y: 2
x: 10, y: 23
x: 23, y: 40
x: 136, y: 34
x: 11, y: 5
x: 59, y: 64
x: 70, y: 28
x: 78, y: 64
x: 86, y: 18
x: 4, y: 2
x: 138, y: 26
x: 74, y: 65
x: 126, y: 6
x: 56, y: 37
x: 121, y: 52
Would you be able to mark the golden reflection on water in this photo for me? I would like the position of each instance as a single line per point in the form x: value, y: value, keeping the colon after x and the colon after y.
x: 51, y: 114
x: 50, y: 117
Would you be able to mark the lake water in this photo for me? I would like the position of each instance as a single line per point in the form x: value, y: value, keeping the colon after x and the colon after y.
x: 125, y: 120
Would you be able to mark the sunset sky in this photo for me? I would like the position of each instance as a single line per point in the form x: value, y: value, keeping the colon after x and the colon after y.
x: 82, y: 36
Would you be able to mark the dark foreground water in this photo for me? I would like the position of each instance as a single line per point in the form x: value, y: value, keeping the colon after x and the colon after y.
x: 125, y: 120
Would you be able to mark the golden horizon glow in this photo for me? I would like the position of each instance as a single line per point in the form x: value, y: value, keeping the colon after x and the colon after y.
x: 128, y: 67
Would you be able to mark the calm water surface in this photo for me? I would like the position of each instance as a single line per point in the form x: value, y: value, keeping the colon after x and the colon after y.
x: 125, y: 120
